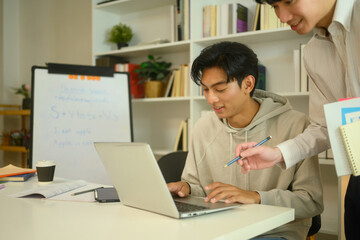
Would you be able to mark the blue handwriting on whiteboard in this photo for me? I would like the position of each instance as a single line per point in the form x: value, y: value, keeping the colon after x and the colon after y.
x: 71, y: 114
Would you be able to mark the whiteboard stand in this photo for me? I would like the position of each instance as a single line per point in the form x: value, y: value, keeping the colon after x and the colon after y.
x: 74, y: 106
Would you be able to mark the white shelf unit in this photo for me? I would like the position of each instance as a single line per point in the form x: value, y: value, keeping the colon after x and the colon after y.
x: 157, y: 120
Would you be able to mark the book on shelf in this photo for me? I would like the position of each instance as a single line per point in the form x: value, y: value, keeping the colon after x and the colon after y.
x: 301, y: 78
x: 273, y: 20
x: 18, y: 178
x: 185, y: 135
x: 218, y: 20
x: 267, y: 18
x: 109, y: 61
x: 339, y: 114
x: 256, y: 25
x: 175, y: 92
x: 136, y: 90
x: 229, y: 18
x: 350, y: 134
x: 241, y: 20
x: 224, y: 22
x: 11, y: 170
x: 181, y: 141
x: 261, y: 83
x: 304, y: 78
x: 169, y: 84
x: 213, y: 21
x: 233, y: 19
x: 184, y: 80
x: 173, y: 23
x: 206, y: 21
x: 186, y: 19
x: 182, y: 20
x: 178, y: 83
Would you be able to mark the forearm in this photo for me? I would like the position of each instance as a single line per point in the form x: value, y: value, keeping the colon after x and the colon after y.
x: 309, y: 143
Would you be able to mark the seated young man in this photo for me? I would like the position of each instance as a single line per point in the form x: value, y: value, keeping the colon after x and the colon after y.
x: 228, y: 73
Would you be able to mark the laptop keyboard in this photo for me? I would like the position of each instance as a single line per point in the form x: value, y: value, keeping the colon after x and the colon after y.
x: 186, y: 207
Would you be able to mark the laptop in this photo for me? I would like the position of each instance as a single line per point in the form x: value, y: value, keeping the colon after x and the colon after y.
x: 139, y: 182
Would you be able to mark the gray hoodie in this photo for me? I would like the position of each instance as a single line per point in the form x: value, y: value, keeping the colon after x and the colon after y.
x: 213, y: 144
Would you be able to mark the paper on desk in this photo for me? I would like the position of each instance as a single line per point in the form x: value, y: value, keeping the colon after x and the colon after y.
x: 85, y: 197
x: 61, y: 191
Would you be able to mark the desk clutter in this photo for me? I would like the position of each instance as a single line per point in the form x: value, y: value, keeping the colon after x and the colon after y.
x: 62, y: 191
x: 57, y: 190
x: 15, y: 174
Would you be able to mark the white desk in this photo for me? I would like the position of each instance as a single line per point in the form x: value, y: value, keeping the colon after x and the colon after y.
x: 40, y: 219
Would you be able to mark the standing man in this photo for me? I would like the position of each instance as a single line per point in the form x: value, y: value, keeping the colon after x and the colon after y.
x: 332, y: 60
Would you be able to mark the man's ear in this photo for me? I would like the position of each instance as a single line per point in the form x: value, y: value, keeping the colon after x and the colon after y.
x: 248, y: 83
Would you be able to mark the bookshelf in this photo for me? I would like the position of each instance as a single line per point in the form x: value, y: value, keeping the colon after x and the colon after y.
x: 15, y: 110
x: 151, y: 117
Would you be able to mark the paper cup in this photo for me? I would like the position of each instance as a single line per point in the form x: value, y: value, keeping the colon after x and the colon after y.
x: 45, y: 171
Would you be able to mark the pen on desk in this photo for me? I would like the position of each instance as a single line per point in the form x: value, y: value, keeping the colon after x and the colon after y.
x: 237, y: 158
x: 86, y: 191
x: 2, y: 186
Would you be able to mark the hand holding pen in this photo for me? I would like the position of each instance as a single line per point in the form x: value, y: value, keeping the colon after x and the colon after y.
x: 239, y: 157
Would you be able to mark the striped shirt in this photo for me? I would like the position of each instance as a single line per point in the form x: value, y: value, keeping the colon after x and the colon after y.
x: 332, y: 60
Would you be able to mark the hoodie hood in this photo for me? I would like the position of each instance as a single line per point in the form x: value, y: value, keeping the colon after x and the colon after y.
x: 271, y: 105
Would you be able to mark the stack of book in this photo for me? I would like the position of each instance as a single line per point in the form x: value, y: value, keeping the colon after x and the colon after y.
x: 266, y: 18
x: 178, y: 82
x: 109, y: 61
x: 224, y: 19
x: 181, y: 141
x: 232, y: 18
x: 12, y: 173
x: 137, y: 90
x: 180, y: 20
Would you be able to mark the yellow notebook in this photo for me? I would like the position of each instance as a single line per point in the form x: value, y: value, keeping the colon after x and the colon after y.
x: 351, y: 137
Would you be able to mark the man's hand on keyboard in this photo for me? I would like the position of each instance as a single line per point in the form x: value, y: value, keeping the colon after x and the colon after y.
x: 220, y: 191
x: 181, y: 189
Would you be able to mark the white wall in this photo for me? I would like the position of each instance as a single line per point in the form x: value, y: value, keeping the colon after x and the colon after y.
x: 35, y: 32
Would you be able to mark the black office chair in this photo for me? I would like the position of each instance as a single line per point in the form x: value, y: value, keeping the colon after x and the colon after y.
x: 172, y: 165
x: 315, y: 227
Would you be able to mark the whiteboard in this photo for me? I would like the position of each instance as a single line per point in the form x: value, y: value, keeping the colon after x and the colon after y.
x: 70, y: 112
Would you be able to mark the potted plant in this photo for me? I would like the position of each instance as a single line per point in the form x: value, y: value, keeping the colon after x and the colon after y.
x: 24, y: 90
x: 121, y: 34
x: 154, y: 73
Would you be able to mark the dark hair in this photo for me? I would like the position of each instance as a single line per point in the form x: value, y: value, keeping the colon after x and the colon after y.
x: 268, y: 1
x: 237, y: 60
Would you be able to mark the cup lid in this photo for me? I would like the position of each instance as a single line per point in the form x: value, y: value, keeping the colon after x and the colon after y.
x: 45, y: 163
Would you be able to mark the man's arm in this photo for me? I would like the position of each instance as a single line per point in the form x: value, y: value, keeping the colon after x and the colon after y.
x: 312, y: 141
x: 309, y: 143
